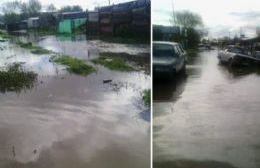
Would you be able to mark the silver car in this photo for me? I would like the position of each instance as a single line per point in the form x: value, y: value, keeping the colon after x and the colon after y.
x: 168, y: 58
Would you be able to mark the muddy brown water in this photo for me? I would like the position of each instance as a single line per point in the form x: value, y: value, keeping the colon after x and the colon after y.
x: 67, y: 120
x: 208, y: 117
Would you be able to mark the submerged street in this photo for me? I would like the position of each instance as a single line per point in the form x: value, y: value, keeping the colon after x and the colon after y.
x: 207, y: 118
x: 66, y: 120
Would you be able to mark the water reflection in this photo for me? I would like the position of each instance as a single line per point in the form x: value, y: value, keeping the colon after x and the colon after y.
x: 169, y: 90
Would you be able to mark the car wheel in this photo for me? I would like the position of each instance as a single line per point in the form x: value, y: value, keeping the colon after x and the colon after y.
x: 183, y: 69
x: 230, y: 62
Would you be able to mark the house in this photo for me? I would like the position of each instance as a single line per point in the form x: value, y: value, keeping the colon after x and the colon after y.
x: 33, y: 22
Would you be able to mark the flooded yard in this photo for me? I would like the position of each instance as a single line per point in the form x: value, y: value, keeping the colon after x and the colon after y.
x: 207, y: 118
x: 68, y: 120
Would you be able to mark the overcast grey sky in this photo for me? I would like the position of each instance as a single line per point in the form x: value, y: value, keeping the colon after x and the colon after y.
x: 220, y: 16
x: 86, y: 4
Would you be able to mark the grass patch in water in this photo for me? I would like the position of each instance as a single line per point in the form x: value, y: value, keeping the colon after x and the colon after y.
x: 15, y: 79
x: 4, y: 35
x: 26, y: 45
x: 34, y: 49
x: 147, y: 97
x: 40, y: 51
x: 113, y: 63
x: 75, y: 65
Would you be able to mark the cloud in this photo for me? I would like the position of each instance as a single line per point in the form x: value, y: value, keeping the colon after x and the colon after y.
x: 248, y: 14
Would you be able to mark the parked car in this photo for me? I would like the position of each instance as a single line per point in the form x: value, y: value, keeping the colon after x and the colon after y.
x: 168, y: 58
x: 234, y: 55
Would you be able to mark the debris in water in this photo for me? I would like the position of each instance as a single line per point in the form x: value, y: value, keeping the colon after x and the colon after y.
x: 107, y: 81
x: 13, y: 151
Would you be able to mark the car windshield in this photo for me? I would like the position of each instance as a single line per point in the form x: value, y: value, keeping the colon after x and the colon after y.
x: 163, y: 50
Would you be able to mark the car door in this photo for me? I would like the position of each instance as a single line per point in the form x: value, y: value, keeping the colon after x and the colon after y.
x: 229, y: 54
x: 184, y: 53
x: 179, y: 60
x: 226, y: 55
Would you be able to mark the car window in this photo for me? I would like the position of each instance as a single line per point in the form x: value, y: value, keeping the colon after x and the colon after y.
x: 163, y: 50
x: 177, y: 50
x: 182, y: 50
x: 236, y: 50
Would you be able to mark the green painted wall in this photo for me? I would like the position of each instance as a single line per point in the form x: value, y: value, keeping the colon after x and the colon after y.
x: 65, y: 26
x: 68, y: 26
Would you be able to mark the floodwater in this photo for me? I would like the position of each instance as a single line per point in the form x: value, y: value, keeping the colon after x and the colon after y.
x: 67, y: 120
x: 207, y: 118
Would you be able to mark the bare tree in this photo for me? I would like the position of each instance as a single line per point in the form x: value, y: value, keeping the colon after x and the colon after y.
x: 187, y: 19
x: 51, y: 8
x: 11, y: 12
x: 11, y: 7
x: 75, y: 8
x: 34, y: 7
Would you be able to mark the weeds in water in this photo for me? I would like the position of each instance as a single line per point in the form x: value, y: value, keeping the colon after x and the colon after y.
x: 40, y: 51
x: 113, y: 63
x: 147, y: 97
x: 15, y: 79
x: 75, y: 65
x: 26, y: 45
x: 34, y: 49
x: 4, y: 36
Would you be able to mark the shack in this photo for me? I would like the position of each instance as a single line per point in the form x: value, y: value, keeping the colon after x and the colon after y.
x: 142, y: 18
x: 252, y: 44
x: 105, y: 20
x: 70, y: 21
x: 93, y: 23
x: 122, y: 18
x: 165, y: 33
x: 48, y: 20
x: 23, y: 25
x: 33, y: 22
x: 126, y: 19
x: 2, y: 25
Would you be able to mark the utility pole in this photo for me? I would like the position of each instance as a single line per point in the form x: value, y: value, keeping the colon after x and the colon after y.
x: 108, y: 2
x: 173, y: 13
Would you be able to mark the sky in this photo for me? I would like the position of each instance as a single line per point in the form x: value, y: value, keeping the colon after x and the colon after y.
x: 85, y: 4
x: 220, y: 17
